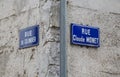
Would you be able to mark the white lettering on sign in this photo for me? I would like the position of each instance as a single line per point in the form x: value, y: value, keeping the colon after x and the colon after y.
x: 92, y: 40
x: 22, y: 42
x: 28, y: 33
x: 28, y: 40
x: 75, y: 38
x: 88, y: 39
x: 85, y: 31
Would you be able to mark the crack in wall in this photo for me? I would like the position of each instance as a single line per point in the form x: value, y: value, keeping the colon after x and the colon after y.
x: 111, y: 73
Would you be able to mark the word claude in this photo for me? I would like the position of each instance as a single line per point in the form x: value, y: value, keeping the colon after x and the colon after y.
x: 84, y: 35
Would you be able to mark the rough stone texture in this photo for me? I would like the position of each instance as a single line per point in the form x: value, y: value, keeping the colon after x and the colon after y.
x: 103, y: 5
x: 95, y: 62
x: 43, y: 60
x: 38, y: 61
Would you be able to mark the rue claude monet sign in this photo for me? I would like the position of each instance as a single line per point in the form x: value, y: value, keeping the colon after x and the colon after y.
x: 29, y: 37
x: 85, y: 35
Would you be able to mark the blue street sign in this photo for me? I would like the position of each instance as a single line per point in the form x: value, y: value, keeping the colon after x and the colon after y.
x: 29, y: 37
x: 85, y: 35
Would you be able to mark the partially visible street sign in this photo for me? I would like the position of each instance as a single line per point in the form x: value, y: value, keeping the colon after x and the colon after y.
x: 85, y: 35
x: 29, y: 37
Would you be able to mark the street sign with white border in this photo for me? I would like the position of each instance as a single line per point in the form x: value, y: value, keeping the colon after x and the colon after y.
x: 85, y: 35
x: 29, y: 37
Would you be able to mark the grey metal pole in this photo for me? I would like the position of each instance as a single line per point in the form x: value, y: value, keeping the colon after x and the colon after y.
x: 63, y: 38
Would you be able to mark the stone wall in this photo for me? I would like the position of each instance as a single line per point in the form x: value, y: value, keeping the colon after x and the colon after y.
x: 44, y: 60
x: 38, y: 61
x: 95, y: 62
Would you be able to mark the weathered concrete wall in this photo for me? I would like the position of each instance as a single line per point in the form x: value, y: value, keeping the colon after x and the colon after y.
x: 95, y: 62
x: 38, y: 61
x: 43, y: 60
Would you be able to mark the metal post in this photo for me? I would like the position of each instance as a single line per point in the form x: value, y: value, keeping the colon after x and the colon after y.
x: 63, y: 38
